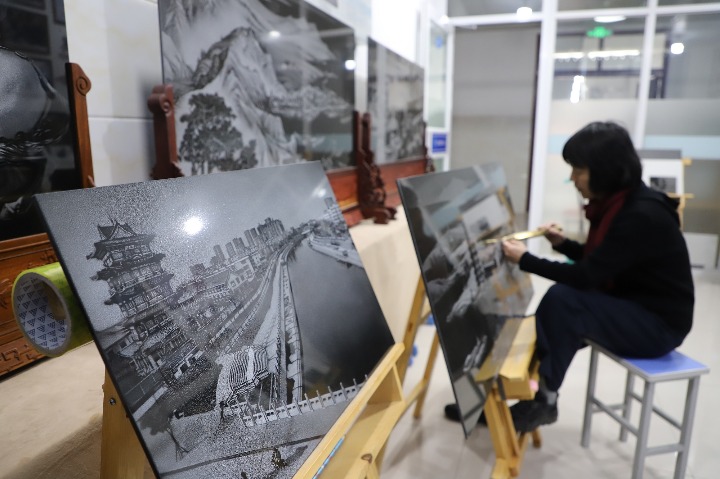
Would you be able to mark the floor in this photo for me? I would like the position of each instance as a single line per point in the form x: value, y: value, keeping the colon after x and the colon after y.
x: 433, y: 447
x: 428, y: 448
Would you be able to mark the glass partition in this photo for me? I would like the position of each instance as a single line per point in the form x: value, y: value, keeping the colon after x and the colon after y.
x: 595, y: 61
x: 685, y: 115
x: 458, y: 8
x: 437, y: 77
x: 587, y: 4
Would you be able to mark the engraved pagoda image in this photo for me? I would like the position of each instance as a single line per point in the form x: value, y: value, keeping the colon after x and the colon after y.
x: 147, y: 338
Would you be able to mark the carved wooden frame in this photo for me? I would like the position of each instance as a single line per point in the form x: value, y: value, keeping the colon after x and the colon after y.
x: 19, y: 254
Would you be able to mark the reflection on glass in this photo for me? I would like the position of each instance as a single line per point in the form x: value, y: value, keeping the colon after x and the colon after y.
x: 193, y: 225
x: 395, y: 101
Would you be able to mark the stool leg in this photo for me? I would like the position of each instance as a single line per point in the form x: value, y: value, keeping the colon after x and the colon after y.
x: 589, y: 398
x: 643, y: 430
x: 687, y: 426
x: 627, y: 404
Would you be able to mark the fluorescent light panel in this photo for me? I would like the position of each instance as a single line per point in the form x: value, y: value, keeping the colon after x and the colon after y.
x: 609, y: 18
x: 595, y: 54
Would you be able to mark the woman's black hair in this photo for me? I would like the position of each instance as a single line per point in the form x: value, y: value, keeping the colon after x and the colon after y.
x: 606, y: 150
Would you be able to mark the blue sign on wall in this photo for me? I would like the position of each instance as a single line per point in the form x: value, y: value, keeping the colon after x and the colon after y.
x: 439, y: 143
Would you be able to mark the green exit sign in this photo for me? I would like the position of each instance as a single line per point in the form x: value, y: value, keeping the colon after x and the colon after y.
x: 599, y: 32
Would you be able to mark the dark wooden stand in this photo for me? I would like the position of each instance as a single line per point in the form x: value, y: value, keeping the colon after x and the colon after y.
x: 371, y: 187
x: 19, y: 254
x: 162, y: 105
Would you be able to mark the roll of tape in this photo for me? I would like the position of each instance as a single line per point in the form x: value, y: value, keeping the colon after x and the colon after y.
x: 47, y: 311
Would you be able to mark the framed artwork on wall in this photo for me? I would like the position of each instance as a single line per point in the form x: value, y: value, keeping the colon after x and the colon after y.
x: 35, y: 121
x: 258, y: 83
x: 395, y: 102
x: 666, y: 175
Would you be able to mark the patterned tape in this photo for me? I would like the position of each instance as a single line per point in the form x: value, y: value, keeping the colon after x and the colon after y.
x: 47, y: 311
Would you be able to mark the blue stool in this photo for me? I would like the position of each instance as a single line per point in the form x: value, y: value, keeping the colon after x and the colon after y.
x: 672, y: 366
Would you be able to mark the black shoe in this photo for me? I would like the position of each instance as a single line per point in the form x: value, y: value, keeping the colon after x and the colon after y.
x: 453, y: 413
x: 529, y: 415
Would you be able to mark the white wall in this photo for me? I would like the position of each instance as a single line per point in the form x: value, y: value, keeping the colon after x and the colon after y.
x: 493, y: 82
x: 117, y: 43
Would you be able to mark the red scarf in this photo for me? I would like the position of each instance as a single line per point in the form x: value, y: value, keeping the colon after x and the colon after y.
x: 601, y: 213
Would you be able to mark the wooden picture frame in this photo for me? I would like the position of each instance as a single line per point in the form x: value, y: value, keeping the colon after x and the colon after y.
x: 19, y: 254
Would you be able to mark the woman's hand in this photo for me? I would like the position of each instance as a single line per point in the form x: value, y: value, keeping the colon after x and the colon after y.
x: 553, y: 233
x: 513, y: 250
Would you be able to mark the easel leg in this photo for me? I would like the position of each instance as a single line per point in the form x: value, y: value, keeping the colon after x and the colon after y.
x: 509, y: 447
x: 122, y: 457
x: 426, y: 376
x: 413, y: 323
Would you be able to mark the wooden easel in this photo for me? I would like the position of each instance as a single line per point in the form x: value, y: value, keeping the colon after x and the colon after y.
x: 516, y: 375
x: 363, y: 428
x: 419, y: 312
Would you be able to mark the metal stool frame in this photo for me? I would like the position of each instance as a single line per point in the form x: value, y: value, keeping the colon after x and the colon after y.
x: 673, y: 366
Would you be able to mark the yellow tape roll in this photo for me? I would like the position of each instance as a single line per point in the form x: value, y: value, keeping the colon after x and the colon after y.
x: 47, y: 311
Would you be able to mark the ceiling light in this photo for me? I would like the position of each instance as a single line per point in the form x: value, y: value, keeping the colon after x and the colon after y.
x: 677, y: 48
x: 578, y: 89
x: 612, y: 53
x: 524, y: 13
x: 444, y: 20
x: 609, y: 18
x: 596, y: 54
x: 274, y: 34
x: 569, y: 55
x: 350, y: 65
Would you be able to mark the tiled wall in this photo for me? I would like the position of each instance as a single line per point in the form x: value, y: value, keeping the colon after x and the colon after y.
x: 117, y: 44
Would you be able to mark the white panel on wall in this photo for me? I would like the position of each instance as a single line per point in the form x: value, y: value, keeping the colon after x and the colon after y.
x: 123, y: 150
x: 87, y: 46
x: 394, y: 25
x: 117, y: 44
x: 703, y: 250
x: 566, y: 118
x: 354, y: 13
x: 562, y: 204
